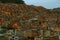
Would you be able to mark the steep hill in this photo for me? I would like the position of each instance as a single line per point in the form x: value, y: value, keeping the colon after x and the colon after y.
x: 28, y: 17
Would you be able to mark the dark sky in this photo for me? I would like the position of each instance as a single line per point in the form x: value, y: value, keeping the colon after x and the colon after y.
x: 44, y: 3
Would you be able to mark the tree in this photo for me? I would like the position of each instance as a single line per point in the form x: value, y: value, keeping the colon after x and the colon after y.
x: 13, y: 1
x: 3, y: 29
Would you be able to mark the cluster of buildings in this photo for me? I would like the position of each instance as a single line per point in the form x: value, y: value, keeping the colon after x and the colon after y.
x: 23, y: 22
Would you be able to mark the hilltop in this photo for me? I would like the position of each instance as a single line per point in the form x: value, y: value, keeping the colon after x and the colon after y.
x: 57, y: 8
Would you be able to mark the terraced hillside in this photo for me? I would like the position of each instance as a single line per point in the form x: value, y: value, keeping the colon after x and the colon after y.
x: 28, y: 17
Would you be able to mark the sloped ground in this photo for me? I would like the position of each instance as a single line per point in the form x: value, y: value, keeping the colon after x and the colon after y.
x: 18, y: 13
x: 28, y: 17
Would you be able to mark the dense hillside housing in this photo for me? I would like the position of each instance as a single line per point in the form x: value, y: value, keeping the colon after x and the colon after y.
x: 29, y: 22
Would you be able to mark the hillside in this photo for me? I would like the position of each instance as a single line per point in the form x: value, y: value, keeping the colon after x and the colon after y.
x: 22, y: 13
x: 28, y: 17
x: 17, y: 13
x: 57, y: 8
